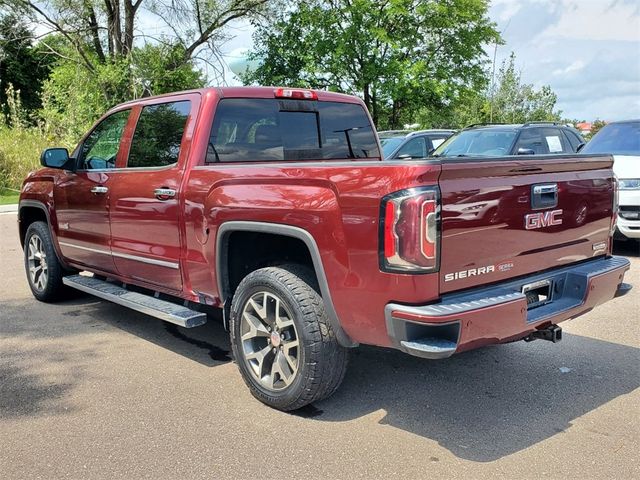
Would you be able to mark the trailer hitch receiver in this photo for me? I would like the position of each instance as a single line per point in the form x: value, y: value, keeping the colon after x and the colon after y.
x: 552, y: 333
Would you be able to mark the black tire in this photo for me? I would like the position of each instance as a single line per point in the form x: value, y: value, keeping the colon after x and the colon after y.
x: 51, y: 290
x: 322, y: 361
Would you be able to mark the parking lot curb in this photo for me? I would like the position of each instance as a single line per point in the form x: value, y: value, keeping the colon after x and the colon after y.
x: 9, y: 208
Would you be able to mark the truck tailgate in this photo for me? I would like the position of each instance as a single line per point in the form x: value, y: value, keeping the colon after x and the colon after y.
x: 502, y: 218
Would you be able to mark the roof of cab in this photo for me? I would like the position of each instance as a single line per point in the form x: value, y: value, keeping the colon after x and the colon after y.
x: 251, y: 92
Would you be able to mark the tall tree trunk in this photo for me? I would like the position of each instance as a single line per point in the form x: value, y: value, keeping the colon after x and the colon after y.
x: 366, y: 93
x: 374, y: 107
x: 114, y: 29
x: 93, y: 26
x: 130, y: 10
x: 395, y: 114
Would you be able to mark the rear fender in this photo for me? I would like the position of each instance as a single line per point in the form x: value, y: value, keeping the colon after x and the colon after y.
x: 309, y: 213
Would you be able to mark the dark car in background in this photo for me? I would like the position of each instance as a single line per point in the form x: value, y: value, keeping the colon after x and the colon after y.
x: 491, y: 140
x: 406, y: 145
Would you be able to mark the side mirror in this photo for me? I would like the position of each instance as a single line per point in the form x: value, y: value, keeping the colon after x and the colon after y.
x: 404, y: 156
x: 56, y: 158
x: 580, y: 147
x: 526, y: 151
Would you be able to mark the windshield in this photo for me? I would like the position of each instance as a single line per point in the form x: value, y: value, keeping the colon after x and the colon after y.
x: 616, y: 139
x: 389, y: 144
x: 480, y: 142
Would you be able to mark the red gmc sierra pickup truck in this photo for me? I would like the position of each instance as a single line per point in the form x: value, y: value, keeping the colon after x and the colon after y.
x: 274, y: 205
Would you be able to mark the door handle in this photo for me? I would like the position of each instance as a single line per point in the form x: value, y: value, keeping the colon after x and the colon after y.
x: 164, y: 193
x: 544, y: 195
x: 97, y: 190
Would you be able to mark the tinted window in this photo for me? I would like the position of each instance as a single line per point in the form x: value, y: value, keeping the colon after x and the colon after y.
x: 477, y: 142
x: 156, y: 141
x: 436, y: 141
x: 265, y: 129
x: 100, y: 148
x: 414, y: 148
x: 616, y: 139
x: 531, y: 139
x: 555, y: 142
x: 574, y: 139
x: 389, y: 144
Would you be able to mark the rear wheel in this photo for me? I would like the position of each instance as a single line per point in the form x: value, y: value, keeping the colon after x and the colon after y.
x: 283, y: 343
x: 44, y: 271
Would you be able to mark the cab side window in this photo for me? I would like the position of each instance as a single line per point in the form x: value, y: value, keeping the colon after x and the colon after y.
x: 531, y: 139
x: 100, y: 148
x: 158, y: 135
x: 414, y: 148
x: 556, y: 141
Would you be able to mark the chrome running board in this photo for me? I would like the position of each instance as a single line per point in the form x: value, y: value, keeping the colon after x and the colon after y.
x: 167, y: 311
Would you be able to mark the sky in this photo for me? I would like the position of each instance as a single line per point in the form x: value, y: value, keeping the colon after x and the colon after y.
x: 588, y: 51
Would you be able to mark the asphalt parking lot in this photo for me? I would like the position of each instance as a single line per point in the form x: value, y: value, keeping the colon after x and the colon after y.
x: 92, y: 390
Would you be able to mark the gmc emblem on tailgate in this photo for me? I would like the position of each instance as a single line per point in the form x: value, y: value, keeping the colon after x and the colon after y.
x: 542, y: 219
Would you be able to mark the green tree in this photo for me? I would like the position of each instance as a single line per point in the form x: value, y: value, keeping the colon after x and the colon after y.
x: 103, y: 44
x: 73, y: 98
x: 398, y: 55
x: 514, y: 102
x: 596, y: 126
x: 100, y: 31
x: 103, y: 55
x: 21, y: 68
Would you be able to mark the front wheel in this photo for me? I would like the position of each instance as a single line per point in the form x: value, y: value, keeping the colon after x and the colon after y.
x: 281, y: 338
x: 44, y: 271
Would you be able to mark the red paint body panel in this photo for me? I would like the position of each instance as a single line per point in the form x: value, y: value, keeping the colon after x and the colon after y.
x: 338, y: 203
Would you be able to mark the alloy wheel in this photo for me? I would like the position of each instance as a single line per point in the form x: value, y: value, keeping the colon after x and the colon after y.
x: 270, y: 342
x: 37, y: 263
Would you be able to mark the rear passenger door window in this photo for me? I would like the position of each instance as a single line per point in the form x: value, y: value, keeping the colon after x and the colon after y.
x: 530, y: 140
x: 414, y: 148
x: 158, y: 135
x: 555, y: 141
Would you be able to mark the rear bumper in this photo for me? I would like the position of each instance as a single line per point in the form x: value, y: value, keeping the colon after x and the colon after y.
x: 496, y: 314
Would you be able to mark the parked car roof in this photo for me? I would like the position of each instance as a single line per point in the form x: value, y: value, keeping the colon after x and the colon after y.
x: 393, y: 141
x: 497, y: 139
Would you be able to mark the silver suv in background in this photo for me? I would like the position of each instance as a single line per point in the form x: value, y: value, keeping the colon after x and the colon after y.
x: 622, y: 140
x: 407, y: 145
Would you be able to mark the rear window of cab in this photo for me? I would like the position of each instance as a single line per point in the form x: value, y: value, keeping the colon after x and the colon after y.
x: 258, y: 130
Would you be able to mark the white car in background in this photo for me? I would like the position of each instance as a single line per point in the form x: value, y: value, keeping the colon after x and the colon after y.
x: 622, y: 140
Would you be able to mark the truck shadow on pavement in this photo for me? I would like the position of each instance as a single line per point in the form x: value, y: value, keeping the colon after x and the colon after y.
x: 207, y: 344
x: 489, y: 403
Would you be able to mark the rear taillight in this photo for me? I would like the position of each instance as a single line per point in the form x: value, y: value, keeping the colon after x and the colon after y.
x: 410, y: 231
x: 295, y: 94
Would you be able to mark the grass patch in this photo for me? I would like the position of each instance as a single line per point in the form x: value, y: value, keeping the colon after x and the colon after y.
x: 8, y: 197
